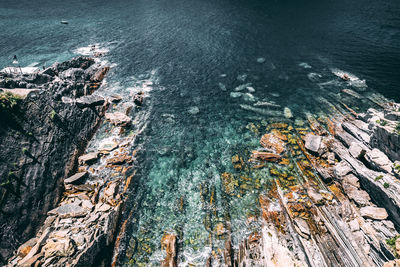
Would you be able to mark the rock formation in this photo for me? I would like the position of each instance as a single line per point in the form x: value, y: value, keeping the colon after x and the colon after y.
x: 41, y: 138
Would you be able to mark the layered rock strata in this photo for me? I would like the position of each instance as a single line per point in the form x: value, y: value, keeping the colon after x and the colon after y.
x: 334, y: 201
x: 41, y: 137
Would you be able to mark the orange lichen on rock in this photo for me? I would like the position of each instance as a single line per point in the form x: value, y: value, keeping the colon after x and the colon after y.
x: 168, y: 243
x: 265, y: 156
x: 228, y: 182
x: 273, y: 143
x: 279, y: 134
x: 284, y: 161
x: 237, y: 162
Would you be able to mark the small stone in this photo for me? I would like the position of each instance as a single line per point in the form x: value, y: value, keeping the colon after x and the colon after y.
x: 77, y: 178
x: 88, y: 158
x: 374, y: 213
x: 107, y: 146
x: 102, y: 207
x: 68, y: 210
x: 287, y: 113
x: 351, y: 179
x: 354, y: 225
x: 24, y: 249
x: 138, y: 99
x: 89, y: 101
x: 118, y: 118
x: 342, y: 168
x: 356, y: 150
x: 313, y: 142
x: 87, y: 204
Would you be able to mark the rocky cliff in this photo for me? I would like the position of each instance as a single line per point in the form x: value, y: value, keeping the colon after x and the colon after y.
x: 41, y: 136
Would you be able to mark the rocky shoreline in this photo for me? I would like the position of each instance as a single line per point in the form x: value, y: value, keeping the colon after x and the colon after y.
x: 332, y: 201
x: 51, y: 120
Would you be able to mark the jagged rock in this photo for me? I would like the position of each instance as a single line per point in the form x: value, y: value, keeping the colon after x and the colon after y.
x: 356, y: 150
x: 87, y: 204
x: 352, y: 180
x: 32, y: 262
x: 313, y: 142
x: 77, y: 178
x: 111, y: 190
x: 108, y: 146
x: 374, y: 213
x: 115, y: 98
x: 118, y: 118
x: 303, y: 228
x: 354, y: 225
x: 100, y: 74
x: 24, y: 249
x: 62, y: 247
x: 392, y: 115
x: 359, y: 196
x: 379, y: 160
x: 89, y: 101
x: 88, y: 158
x: 68, y: 210
x: 31, y: 257
x: 138, y: 98
x: 119, y: 159
x: 316, y: 197
x: 272, y: 142
x: 342, y: 168
x: 72, y: 74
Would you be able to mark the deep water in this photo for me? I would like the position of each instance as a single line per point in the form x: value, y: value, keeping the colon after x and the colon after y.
x: 191, y: 55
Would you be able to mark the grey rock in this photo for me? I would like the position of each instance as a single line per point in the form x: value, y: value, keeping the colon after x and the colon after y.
x: 90, y: 101
x: 68, y: 211
x: 77, y: 178
x: 313, y: 142
x: 379, y: 160
x: 88, y: 158
x: 374, y: 213
x: 356, y: 150
x: 118, y: 118
x: 341, y: 169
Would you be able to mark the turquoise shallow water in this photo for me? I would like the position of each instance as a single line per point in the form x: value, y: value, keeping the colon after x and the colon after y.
x: 197, y: 54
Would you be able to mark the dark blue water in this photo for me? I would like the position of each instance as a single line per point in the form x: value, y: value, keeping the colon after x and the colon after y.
x: 193, y: 54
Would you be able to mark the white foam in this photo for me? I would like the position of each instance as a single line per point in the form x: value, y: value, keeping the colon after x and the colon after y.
x: 351, y: 78
x: 305, y: 65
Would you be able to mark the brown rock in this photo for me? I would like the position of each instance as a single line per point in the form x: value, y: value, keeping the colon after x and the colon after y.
x: 272, y: 143
x: 99, y: 75
x: 168, y: 243
x: 24, y: 249
x: 265, y: 156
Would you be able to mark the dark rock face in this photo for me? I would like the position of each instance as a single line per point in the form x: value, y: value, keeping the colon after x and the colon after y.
x: 41, y: 139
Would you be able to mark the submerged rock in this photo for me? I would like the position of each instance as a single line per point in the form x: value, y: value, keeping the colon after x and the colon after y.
x: 287, y: 113
x: 194, y: 110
